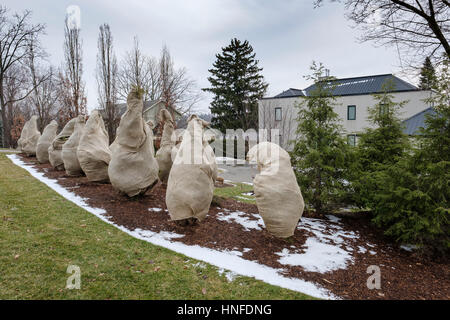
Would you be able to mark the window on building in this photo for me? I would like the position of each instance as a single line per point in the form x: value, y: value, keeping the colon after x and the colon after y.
x: 278, y: 114
x: 351, y: 140
x: 351, y: 112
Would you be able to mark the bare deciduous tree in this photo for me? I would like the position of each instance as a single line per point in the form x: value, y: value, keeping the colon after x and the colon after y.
x: 107, y: 79
x: 44, y: 94
x: 177, y: 89
x: 141, y: 70
x: 15, y: 32
x: 73, y: 67
x: 419, y: 28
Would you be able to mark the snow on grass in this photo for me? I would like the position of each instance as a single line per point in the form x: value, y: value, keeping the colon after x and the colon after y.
x: 242, y: 219
x: 225, y: 260
x: 229, y: 275
x: 155, y: 209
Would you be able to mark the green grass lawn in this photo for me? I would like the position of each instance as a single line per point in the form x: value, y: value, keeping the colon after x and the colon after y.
x: 236, y: 192
x: 41, y: 234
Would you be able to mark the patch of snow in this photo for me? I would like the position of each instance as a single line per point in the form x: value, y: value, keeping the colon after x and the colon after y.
x: 155, y: 209
x: 333, y: 218
x: 372, y: 252
x: 408, y: 247
x: 242, y: 219
x: 248, y: 194
x: 362, y: 249
x: 230, y: 275
x: 217, y: 258
x: 318, y: 257
x: 243, y: 198
x: 246, y: 250
x: 200, y: 265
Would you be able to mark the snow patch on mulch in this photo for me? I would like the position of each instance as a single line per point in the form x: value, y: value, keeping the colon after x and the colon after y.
x: 227, y: 259
x: 242, y: 219
x: 328, y: 249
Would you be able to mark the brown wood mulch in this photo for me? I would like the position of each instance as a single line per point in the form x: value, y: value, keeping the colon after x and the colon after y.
x: 403, y: 275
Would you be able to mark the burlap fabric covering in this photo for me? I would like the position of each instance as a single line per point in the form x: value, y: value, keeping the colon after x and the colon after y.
x: 191, y: 180
x: 55, y: 149
x: 69, y: 149
x: 29, y: 137
x: 278, y: 196
x: 133, y: 168
x: 44, y: 142
x: 163, y: 155
x: 93, y: 150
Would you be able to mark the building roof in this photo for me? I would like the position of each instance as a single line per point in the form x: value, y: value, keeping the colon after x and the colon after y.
x: 291, y: 92
x: 414, y: 123
x: 356, y: 86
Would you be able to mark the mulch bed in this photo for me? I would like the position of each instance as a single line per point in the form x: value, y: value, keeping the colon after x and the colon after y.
x: 403, y: 275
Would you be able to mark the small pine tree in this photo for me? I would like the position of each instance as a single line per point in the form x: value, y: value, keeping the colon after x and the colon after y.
x: 411, y: 203
x: 320, y: 153
x: 383, y: 145
x: 237, y: 86
x: 427, y: 75
x: 386, y: 142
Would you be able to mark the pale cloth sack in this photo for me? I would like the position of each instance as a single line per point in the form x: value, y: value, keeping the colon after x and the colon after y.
x: 44, y: 142
x: 163, y: 155
x: 55, y: 149
x: 29, y: 137
x: 133, y: 168
x: 191, y: 180
x: 210, y: 156
x: 69, y: 149
x: 93, y: 150
x: 278, y: 196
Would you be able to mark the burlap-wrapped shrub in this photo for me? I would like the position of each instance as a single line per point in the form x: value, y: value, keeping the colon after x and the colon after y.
x: 55, y: 149
x: 133, y: 168
x: 210, y: 156
x: 163, y: 155
x: 29, y: 137
x: 69, y: 149
x: 278, y: 196
x: 93, y: 150
x: 44, y: 142
x: 191, y: 180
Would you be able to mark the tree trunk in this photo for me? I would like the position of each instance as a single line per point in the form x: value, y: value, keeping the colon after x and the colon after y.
x: 5, y: 123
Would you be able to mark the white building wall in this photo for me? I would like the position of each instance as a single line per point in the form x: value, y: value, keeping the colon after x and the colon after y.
x: 416, y: 102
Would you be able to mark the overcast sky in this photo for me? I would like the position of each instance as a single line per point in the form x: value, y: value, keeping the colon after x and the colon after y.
x: 287, y: 35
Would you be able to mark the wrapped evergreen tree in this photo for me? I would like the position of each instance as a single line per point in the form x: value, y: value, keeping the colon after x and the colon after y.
x: 237, y: 85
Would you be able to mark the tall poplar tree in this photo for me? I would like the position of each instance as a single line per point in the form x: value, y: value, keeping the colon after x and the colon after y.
x: 237, y: 85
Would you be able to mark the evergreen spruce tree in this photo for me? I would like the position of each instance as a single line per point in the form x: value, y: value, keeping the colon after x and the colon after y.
x: 237, y: 86
x: 320, y: 155
x: 412, y: 204
x: 378, y: 147
x: 427, y: 75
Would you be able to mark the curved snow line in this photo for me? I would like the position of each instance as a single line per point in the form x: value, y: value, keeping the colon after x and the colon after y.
x: 224, y: 260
